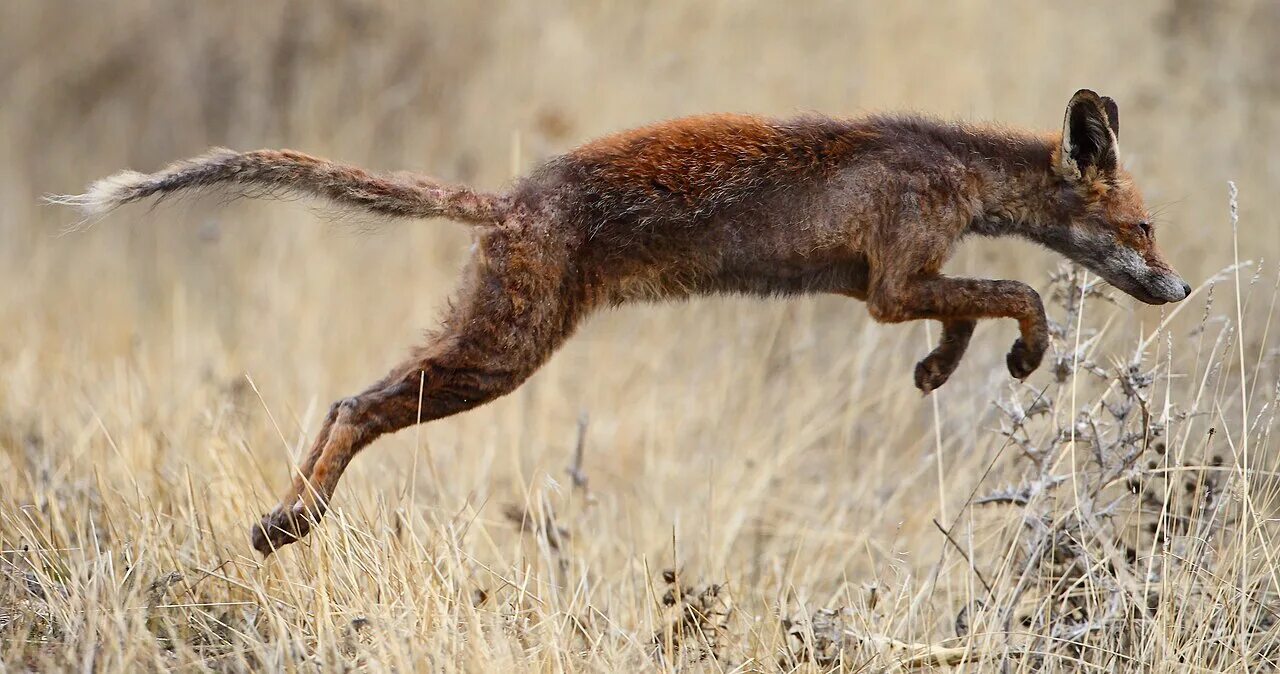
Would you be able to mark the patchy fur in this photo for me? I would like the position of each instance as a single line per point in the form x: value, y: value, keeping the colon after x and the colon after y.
x: 866, y: 208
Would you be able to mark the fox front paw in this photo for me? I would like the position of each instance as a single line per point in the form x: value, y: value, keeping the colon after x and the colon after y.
x: 280, y: 527
x: 933, y: 371
x: 1023, y: 359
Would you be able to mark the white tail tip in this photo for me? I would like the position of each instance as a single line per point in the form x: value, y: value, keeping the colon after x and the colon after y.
x: 103, y: 195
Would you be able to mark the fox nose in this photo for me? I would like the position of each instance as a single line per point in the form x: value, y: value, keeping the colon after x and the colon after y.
x: 1186, y: 289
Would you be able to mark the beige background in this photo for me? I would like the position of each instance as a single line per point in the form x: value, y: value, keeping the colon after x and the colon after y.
x: 781, y: 443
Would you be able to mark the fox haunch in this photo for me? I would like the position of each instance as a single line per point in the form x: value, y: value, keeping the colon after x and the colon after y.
x: 867, y: 208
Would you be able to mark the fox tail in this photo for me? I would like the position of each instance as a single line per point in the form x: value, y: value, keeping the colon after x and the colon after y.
x: 285, y: 173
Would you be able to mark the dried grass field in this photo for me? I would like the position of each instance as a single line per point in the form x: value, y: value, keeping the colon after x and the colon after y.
x: 726, y: 484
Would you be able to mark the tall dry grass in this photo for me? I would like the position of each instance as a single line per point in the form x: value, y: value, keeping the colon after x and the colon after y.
x: 764, y: 489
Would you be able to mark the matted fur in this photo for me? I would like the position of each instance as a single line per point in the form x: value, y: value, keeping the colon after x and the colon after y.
x: 867, y: 208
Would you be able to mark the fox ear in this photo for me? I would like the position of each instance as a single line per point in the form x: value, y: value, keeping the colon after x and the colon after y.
x: 1089, y: 135
x: 1113, y: 115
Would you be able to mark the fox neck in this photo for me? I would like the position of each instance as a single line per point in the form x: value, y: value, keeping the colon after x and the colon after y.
x: 1024, y: 198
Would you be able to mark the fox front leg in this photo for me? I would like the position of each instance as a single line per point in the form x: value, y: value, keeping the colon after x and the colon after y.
x: 960, y: 300
x: 934, y: 370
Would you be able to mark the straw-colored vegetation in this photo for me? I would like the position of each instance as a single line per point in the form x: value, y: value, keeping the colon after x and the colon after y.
x: 759, y: 487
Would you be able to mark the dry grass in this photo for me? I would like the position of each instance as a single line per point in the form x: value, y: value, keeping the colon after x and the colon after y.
x: 758, y: 488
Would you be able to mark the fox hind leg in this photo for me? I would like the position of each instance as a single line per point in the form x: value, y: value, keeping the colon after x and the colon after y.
x: 352, y: 423
x: 491, y: 342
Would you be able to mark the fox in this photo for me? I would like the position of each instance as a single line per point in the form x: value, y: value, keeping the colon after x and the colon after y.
x: 868, y: 208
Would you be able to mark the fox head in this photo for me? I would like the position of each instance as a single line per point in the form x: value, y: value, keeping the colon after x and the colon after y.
x: 1104, y: 224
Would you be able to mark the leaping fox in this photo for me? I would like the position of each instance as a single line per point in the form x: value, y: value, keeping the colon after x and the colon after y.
x: 869, y: 208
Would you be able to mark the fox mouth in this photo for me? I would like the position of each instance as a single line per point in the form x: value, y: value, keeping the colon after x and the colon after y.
x: 1147, y: 298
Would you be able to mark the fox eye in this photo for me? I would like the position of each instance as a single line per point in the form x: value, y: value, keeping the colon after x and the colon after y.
x: 1145, y: 226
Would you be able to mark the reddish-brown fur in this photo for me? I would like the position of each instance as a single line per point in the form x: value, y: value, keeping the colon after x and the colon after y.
x: 869, y: 209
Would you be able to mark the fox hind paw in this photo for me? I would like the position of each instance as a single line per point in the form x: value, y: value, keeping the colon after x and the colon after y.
x: 279, y: 528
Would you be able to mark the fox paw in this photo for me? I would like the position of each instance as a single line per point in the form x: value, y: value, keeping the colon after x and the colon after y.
x: 1023, y: 359
x: 280, y: 527
x: 933, y: 371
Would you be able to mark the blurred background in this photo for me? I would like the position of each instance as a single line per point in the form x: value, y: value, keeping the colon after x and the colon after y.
x: 194, y: 346
x: 481, y: 92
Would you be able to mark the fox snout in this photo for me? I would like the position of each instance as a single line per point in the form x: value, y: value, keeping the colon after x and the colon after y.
x: 1147, y: 283
x: 1127, y: 270
x: 1164, y: 288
